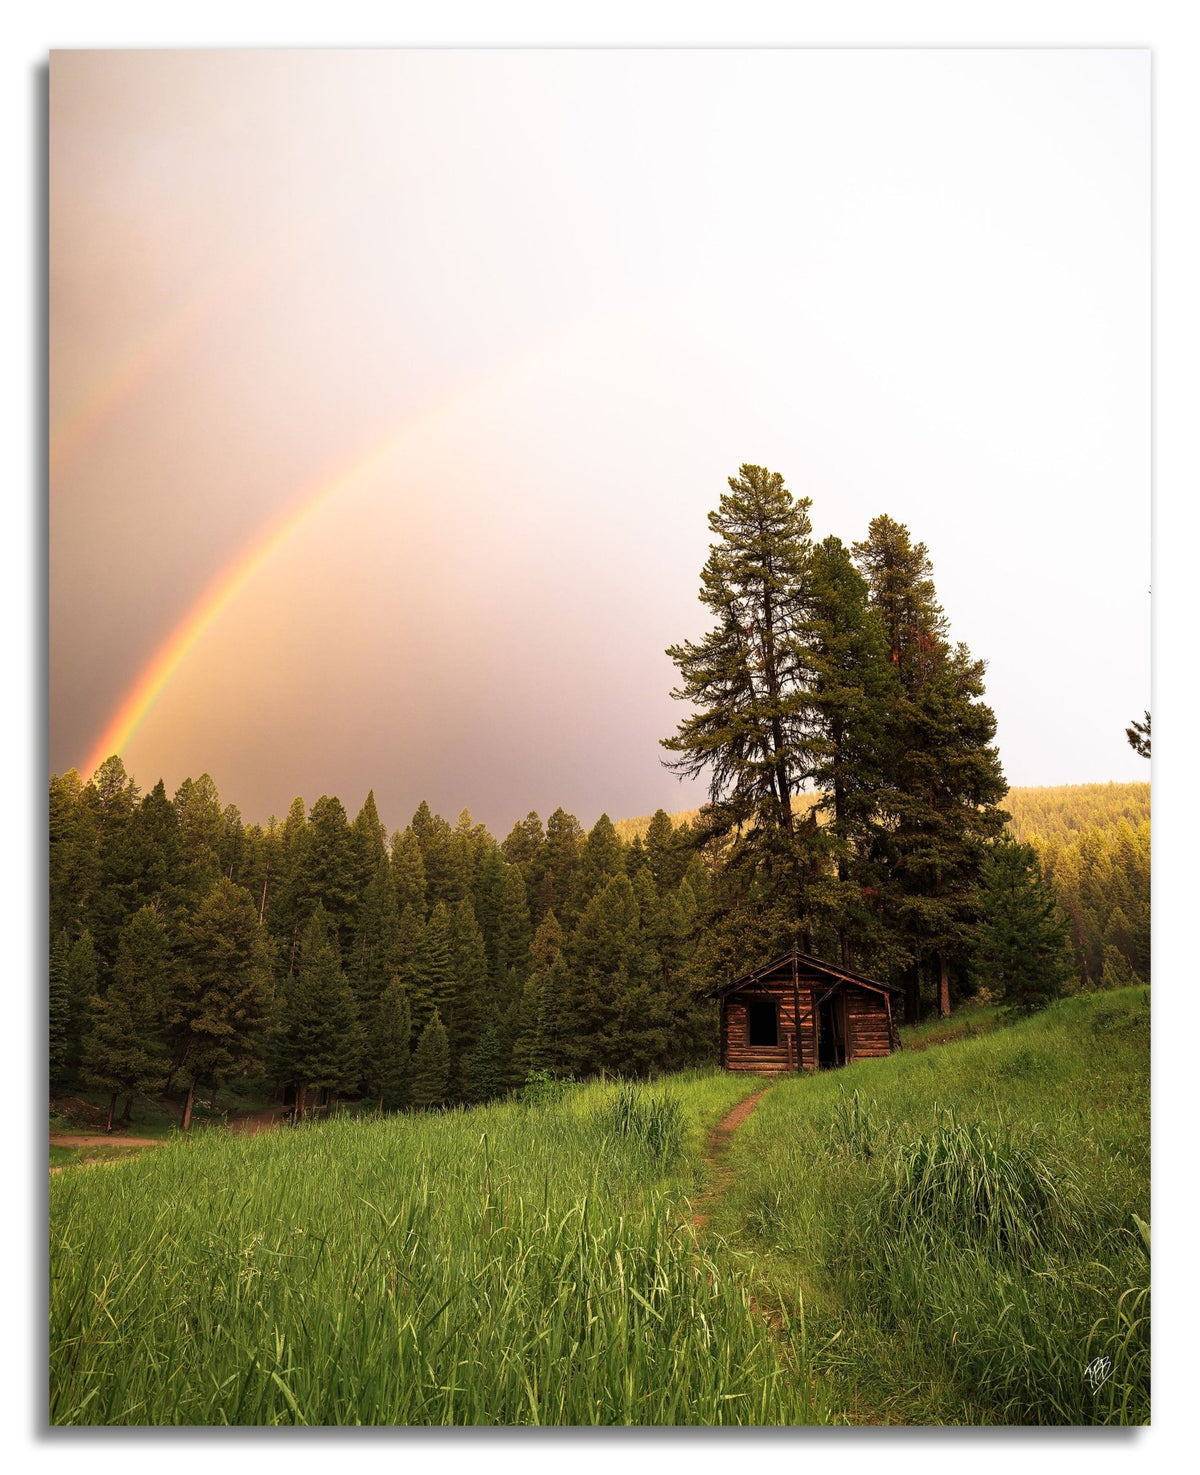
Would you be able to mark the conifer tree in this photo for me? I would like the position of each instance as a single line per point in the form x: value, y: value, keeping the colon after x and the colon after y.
x: 512, y: 944
x: 318, y: 1040
x: 744, y: 678
x: 601, y: 857
x: 666, y: 850
x: 1022, y: 945
x: 374, y: 952
x: 286, y: 911
x: 112, y: 797
x: 220, y: 1002
x: 470, y: 1000
x: 849, y: 693
x: 564, y: 841
x: 72, y: 855
x: 82, y: 984
x: 446, y: 878
x: 387, y: 1057
x: 155, y: 838
x: 942, y: 776
x: 489, y: 901
x: 201, y: 830
x: 429, y: 971
x: 124, y: 1050
x: 487, y: 1073
x: 60, y: 1009
x: 1138, y: 736
x: 408, y: 872
x: 329, y: 874
x: 431, y: 1065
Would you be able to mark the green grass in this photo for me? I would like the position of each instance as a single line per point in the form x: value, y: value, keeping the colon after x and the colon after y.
x: 962, y: 1226
x: 509, y: 1265
x: 950, y: 1235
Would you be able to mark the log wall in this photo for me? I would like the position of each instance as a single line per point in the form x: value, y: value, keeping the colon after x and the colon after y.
x: 866, y: 1026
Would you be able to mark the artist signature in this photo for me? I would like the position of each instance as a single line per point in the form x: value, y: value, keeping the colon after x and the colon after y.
x: 1097, y: 1372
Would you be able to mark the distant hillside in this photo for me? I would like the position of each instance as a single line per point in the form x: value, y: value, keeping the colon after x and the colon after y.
x: 1058, y: 813
x: 1066, y: 811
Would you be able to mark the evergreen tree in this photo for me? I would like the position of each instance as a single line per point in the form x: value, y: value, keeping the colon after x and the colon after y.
x: 942, y: 780
x: 744, y: 678
x: 601, y: 857
x: 160, y: 868
x: 470, y: 1000
x: 287, y: 907
x: 429, y: 971
x: 564, y: 841
x: 201, y: 832
x: 374, y: 954
x: 72, y: 854
x: 318, y: 1041
x: 431, y: 1065
x: 60, y: 1009
x: 408, y: 872
x: 82, y: 984
x: 329, y: 875
x: 220, y: 1003
x: 112, y: 797
x: 1022, y: 946
x: 487, y: 1070
x: 848, y: 699
x: 1138, y: 736
x: 124, y: 1051
x: 387, y: 1057
x: 512, y: 945
x: 445, y: 877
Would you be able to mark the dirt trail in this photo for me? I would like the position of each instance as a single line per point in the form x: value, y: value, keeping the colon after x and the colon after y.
x: 254, y: 1122
x: 101, y: 1139
x: 715, y: 1152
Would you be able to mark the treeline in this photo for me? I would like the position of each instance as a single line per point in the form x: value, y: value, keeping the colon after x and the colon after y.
x: 1093, y: 844
x: 433, y: 965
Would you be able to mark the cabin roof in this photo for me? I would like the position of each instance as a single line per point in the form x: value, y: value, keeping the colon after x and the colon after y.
x: 810, y: 964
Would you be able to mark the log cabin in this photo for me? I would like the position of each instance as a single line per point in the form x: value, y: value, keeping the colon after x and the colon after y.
x: 803, y: 1013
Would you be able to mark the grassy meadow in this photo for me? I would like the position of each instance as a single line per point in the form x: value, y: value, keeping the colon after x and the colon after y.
x: 948, y: 1235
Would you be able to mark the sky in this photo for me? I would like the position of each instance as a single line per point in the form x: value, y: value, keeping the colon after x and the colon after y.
x: 390, y: 391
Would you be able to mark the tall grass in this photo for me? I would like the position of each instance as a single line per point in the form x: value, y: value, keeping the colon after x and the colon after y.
x: 963, y: 1223
x: 510, y: 1265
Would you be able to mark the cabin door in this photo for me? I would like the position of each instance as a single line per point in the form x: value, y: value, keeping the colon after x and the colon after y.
x: 831, y: 1031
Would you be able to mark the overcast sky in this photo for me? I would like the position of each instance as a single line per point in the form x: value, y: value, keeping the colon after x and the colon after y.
x: 562, y: 296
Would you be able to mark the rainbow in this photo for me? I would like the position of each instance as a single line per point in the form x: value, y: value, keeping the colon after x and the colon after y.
x: 236, y: 575
x: 228, y: 584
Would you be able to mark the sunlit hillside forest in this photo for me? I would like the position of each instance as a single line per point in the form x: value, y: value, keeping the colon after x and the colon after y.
x: 321, y: 954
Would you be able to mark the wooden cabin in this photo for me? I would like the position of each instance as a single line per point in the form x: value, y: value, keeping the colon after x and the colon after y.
x: 802, y: 1013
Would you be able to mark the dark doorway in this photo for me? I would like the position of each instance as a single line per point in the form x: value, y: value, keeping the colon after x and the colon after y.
x: 763, y: 1018
x: 831, y: 1038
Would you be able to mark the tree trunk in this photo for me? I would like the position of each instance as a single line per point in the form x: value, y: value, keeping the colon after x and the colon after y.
x: 187, y: 1110
x: 301, y: 1100
x: 943, y: 987
x: 381, y: 1103
x: 127, y: 1114
x: 912, y: 994
x: 112, y: 1106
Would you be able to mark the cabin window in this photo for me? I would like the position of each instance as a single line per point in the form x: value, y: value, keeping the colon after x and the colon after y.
x: 763, y: 1019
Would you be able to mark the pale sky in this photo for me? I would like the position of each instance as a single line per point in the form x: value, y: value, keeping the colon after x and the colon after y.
x: 568, y: 294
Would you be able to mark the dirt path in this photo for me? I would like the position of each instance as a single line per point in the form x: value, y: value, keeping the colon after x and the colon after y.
x: 254, y: 1122
x: 715, y: 1151
x: 101, y: 1139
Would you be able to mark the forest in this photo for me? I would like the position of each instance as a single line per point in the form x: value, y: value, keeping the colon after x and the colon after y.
x: 855, y: 811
